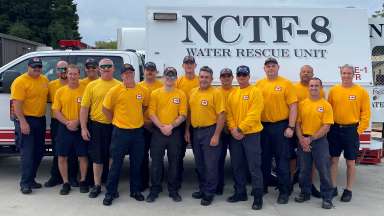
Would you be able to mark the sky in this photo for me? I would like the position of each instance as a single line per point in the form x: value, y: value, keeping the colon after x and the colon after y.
x: 99, y: 20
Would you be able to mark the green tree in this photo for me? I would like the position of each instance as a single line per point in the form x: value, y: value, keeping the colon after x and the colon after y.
x: 379, y: 13
x: 20, y: 30
x: 106, y: 44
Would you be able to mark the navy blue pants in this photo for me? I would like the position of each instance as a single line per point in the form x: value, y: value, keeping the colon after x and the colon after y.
x: 275, y: 144
x: 225, y: 138
x: 126, y: 141
x: 246, y: 153
x: 206, y: 159
x: 145, y: 166
x: 31, y: 148
x: 319, y: 154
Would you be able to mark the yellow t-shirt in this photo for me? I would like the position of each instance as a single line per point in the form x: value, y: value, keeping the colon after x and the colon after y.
x: 53, y: 86
x: 205, y: 105
x: 302, y: 92
x: 68, y: 101
x: 278, y: 95
x: 313, y: 114
x: 127, y: 105
x: 32, y: 92
x: 225, y: 93
x: 151, y: 87
x: 244, y: 107
x: 86, y: 81
x: 186, y: 85
x: 93, y: 98
x: 167, y: 105
x: 350, y: 105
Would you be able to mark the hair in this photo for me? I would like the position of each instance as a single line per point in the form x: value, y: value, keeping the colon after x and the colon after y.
x: 73, y: 66
x: 105, y: 59
x: 308, y: 66
x: 207, y: 69
x: 347, y: 66
x: 316, y: 78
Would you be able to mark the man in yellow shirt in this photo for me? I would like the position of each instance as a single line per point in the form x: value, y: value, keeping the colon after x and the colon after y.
x: 66, y: 107
x: 226, y: 78
x: 186, y: 83
x: 29, y: 93
x: 279, y: 119
x: 91, y: 70
x: 244, y: 107
x: 207, y: 119
x: 151, y: 83
x: 167, y: 110
x: 351, y: 112
x: 124, y: 105
x: 100, y: 128
x: 53, y: 86
x: 314, y: 118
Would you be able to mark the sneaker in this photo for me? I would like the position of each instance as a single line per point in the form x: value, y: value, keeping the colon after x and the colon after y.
x: 84, y: 188
x: 107, y: 201
x: 327, y: 204
x: 197, y: 195
x: 65, y: 189
x: 152, y: 197
x: 257, y: 203
x: 283, y: 198
x: 335, y: 193
x: 206, y: 200
x: 26, y: 190
x: 52, y: 182
x: 36, y: 185
x: 95, y: 191
x: 314, y: 192
x: 303, y: 197
x: 347, y: 196
x: 237, y: 198
x: 175, y: 196
x: 137, y: 196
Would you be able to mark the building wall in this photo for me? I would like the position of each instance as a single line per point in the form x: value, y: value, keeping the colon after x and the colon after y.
x: 11, y: 49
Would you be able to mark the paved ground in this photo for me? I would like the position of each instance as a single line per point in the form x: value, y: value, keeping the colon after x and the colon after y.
x: 368, y: 198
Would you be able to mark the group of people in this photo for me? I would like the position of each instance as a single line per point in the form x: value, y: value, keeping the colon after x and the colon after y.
x: 98, y: 120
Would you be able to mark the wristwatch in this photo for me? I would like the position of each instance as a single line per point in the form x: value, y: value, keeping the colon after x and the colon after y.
x: 291, y: 127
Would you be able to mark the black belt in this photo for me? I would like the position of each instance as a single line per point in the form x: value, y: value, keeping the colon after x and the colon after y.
x: 346, y: 125
x: 278, y: 122
x: 205, y: 127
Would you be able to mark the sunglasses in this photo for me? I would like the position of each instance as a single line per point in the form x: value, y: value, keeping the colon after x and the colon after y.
x: 62, y: 69
x: 91, y: 67
x: 37, y: 66
x: 106, y: 66
x: 242, y: 74
x: 171, y: 77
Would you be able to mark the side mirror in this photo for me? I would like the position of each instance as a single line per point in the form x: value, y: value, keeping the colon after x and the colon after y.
x: 7, y: 79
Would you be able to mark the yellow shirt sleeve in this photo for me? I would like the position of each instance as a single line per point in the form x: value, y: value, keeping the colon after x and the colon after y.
x: 86, y: 100
x: 146, y: 97
x: 229, y: 114
x: 18, y: 90
x: 290, y: 94
x: 56, y: 103
x: 365, y: 113
x: 299, y: 111
x: 219, y: 102
x: 257, y: 105
x: 152, y: 104
x: 183, y: 110
x: 328, y: 115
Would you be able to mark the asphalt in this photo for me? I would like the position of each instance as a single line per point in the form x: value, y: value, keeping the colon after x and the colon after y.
x: 368, y: 197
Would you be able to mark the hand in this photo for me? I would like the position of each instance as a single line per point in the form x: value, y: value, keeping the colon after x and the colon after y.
x: 72, y: 125
x: 24, y: 127
x: 187, y: 136
x: 85, y: 134
x: 305, y: 143
x: 236, y: 134
x: 288, y: 132
x: 214, y: 140
x: 166, y: 130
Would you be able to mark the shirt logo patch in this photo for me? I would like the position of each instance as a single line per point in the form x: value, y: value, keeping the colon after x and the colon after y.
x: 245, y: 97
x: 320, y: 109
x: 176, y: 100
x: 277, y: 88
x: 204, y: 102
x: 352, y: 97
x: 79, y: 100
x: 139, y: 97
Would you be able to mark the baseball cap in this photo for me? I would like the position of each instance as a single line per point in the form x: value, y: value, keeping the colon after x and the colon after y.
x: 270, y: 60
x: 150, y: 66
x: 189, y: 60
x: 91, y: 62
x: 127, y: 67
x: 35, y: 61
x: 242, y: 70
x: 170, y: 72
x: 225, y: 71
